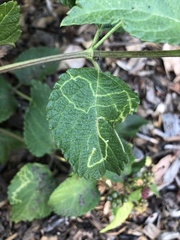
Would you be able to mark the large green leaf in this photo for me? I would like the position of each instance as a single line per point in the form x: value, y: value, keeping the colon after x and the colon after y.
x: 9, y: 141
x: 149, y: 20
x: 75, y: 196
x: 29, y: 192
x: 120, y: 216
x: 36, y: 131
x: 82, y: 110
x: 25, y: 75
x: 7, y: 100
x: 9, y: 23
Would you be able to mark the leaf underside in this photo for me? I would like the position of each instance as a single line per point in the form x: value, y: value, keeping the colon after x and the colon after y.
x: 29, y: 192
x: 9, y: 23
x: 82, y: 110
x: 74, y: 197
x: 36, y: 131
x: 149, y: 20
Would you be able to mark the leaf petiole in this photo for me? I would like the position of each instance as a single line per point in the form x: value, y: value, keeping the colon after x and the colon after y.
x: 118, y: 25
x: 22, y: 94
x: 96, y: 37
x: 13, y: 135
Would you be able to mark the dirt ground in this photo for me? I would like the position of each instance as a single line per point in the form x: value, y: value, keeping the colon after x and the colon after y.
x: 157, y: 82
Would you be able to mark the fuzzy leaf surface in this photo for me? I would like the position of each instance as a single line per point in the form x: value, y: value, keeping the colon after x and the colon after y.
x: 7, y: 100
x: 36, y: 131
x: 75, y: 196
x: 120, y: 216
x: 82, y: 110
x: 149, y: 20
x: 9, y: 23
x: 25, y: 75
x: 29, y: 192
x: 7, y: 144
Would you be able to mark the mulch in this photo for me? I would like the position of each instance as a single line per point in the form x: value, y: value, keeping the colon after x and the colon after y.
x: 157, y: 82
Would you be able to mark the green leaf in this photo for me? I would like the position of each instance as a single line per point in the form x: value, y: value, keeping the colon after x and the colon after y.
x: 82, y: 110
x: 36, y: 131
x: 120, y: 216
x: 149, y: 20
x: 9, y: 141
x: 75, y: 196
x: 130, y: 126
x: 7, y: 100
x: 9, y: 23
x: 68, y: 3
x: 136, y: 166
x: 40, y: 71
x: 135, y: 196
x: 29, y: 192
x: 154, y: 189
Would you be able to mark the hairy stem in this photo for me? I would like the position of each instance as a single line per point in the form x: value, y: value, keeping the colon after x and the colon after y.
x: 13, y: 135
x: 89, y: 55
x: 53, y: 58
x: 136, y: 54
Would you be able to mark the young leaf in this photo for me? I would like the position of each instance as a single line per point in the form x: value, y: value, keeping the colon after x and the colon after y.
x: 9, y: 23
x: 36, y: 131
x: 75, y: 196
x: 25, y: 75
x: 8, y: 101
x: 135, y: 196
x: 8, y: 143
x: 154, y: 189
x: 82, y: 110
x: 149, y: 20
x: 120, y: 216
x: 29, y: 192
x: 68, y: 3
x: 130, y: 126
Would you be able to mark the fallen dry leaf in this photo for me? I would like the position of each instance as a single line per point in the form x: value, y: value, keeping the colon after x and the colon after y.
x: 161, y: 167
x: 151, y: 231
x: 72, y: 63
x: 171, y: 124
x: 171, y: 63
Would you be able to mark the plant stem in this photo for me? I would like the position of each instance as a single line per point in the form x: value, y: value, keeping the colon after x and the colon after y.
x: 89, y: 55
x: 136, y: 54
x: 22, y: 95
x: 118, y: 25
x: 53, y: 58
x: 13, y: 135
